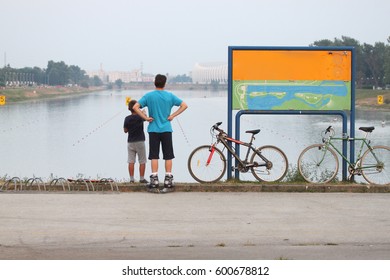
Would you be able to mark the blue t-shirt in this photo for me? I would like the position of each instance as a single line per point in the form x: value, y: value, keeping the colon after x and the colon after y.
x: 159, y: 103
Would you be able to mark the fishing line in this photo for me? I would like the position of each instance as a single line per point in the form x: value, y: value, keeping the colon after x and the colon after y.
x: 79, y: 141
x: 182, y: 131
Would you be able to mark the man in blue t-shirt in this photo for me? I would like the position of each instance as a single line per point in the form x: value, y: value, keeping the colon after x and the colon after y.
x: 160, y: 104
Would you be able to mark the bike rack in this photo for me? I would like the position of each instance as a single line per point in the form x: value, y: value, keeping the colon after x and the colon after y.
x: 16, y: 181
x: 308, y: 112
x: 30, y: 182
x: 107, y: 181
x: 66, y: 184
x: 61, y: 181
x: 85, y: 182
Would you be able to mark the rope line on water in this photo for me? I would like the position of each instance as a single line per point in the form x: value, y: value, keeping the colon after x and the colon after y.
x: 275, y: 132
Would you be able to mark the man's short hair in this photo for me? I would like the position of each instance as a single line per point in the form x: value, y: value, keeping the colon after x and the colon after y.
x: 131, y: 105
x: 160, y: 80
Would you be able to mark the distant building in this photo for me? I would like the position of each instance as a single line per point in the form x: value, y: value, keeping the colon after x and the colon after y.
x: 206, y: 73
x: 100, y: 73
x: 126, y: 76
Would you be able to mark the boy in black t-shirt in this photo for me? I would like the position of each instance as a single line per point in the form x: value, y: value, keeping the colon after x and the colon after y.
x: 134, y: 127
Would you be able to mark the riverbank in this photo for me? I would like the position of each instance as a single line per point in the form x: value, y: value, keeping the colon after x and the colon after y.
x: 19, y: 94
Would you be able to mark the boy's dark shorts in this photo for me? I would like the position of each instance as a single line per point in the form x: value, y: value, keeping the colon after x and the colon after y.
x: 165, y: 139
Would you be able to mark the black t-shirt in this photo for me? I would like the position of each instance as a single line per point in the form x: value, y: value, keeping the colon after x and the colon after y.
x: 135, y: 127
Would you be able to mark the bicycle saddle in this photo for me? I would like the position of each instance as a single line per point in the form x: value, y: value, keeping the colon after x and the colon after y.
x: 367, y: 129
x: 255, y: 131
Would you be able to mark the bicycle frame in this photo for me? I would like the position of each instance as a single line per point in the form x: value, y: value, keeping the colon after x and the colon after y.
x: 225, y: 142
x: 364, y: 143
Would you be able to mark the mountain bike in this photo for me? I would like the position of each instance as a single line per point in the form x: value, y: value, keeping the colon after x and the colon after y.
x: 207, y: 163
x: 319, y: 163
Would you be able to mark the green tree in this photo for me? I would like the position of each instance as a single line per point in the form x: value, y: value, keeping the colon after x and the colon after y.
x: 57, y: 73
x: 76, y: 75
x: 374, y: 63
x: 118, y: 83
x: 97, y: 81
x: 370, y: 60
x: 386, y: 63
x: 180, y: 79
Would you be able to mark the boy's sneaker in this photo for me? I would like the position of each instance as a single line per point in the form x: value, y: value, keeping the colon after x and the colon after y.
x: 144, y: 181
x: 153, y: 182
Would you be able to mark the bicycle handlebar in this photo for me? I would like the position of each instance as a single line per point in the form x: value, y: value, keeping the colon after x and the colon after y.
x: 324, y: 133
x: 216, y: 126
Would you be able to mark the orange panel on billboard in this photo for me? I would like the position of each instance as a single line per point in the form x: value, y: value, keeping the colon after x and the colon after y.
x: 291, y: 65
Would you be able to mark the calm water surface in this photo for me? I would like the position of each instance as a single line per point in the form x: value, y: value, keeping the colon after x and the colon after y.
x: 83, y: 136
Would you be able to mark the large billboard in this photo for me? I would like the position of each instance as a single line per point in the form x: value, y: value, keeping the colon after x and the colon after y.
x: 290, y: 79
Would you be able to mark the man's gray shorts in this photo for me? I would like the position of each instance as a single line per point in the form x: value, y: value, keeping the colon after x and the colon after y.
x: 136, y: 148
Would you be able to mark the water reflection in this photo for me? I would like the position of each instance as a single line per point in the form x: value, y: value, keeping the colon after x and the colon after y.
x: 83, y: 136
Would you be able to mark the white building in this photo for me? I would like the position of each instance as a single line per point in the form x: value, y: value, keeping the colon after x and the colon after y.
x: 206, y: 73
x: 125, y: 76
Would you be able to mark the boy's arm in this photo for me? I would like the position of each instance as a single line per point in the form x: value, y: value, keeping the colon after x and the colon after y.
x: 125, y: 127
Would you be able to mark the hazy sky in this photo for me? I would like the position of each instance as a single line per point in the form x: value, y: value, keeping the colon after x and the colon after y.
x: 170, y: 36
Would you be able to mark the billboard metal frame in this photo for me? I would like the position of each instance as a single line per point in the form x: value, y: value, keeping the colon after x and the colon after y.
x: 342, y: 113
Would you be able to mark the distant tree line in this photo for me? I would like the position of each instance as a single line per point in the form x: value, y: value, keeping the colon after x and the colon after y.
x: 180, y: 79
x: 372, y: 61
x: 56, y: 73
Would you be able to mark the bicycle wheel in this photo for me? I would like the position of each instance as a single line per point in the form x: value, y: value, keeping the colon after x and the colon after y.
x: 275, y: 170
x: 318, y: 164
x: 376, y: 169
x: 207, y: 165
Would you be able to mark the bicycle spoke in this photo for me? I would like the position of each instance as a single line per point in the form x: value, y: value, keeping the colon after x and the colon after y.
x: 276, y: 168
x: 318, y: 164
x: 375, y: 165
x: 206, y: 166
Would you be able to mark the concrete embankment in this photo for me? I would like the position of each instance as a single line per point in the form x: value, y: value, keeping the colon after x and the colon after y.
x: 258, y: 187
x: 87, y: 185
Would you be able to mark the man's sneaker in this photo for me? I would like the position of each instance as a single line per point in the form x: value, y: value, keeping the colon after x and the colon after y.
x: 153, y: 182
x: 144, y: 181
x: 168, y: 181
x: 167, y: 190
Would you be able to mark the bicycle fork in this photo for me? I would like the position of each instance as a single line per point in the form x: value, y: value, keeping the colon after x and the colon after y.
x: 212, y: 150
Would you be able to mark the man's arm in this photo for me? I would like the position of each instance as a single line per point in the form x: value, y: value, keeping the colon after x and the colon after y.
x: 183, y: 106
x: 137, y: 109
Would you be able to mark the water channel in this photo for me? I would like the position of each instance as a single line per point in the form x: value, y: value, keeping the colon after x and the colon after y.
x: 82, y: 136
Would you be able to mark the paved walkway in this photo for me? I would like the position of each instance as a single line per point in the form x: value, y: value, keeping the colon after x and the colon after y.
x: 194, y: 225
